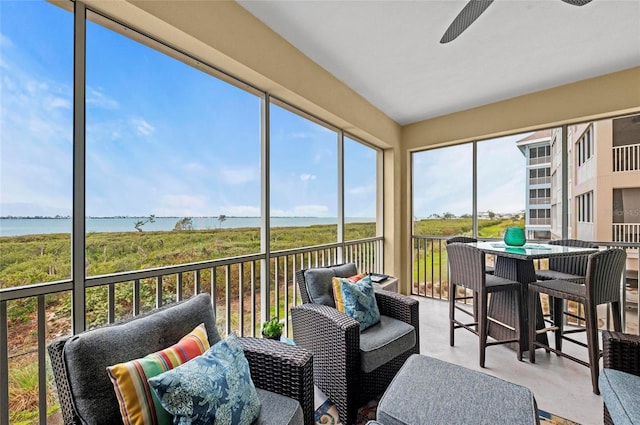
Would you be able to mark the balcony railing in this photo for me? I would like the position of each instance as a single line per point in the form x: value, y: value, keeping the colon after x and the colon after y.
x: 235, y: 284
x: 626, y: 232
x: 539, y: 201
x: 539, y: 180
x: 540, y: 160
x: 539, y: 221
x: 626, y: 158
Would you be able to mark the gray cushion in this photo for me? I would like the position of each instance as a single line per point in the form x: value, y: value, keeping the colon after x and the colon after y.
x: 319, y: 282
x: 278, y: 409
x: 430, y: 391
x: 87, y: 355
x: 555, y: 275
x: 620, y: 393
x: 384, y: 341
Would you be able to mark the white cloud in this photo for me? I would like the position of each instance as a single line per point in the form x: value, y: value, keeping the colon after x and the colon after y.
x: 238, y: 175
x: 241, y: 211
x: 58, y: 102
x: 142, y: 127
x: 182, y: 206
x: 95, y: 97
x: 310, y: 210
x: 5, y: 42
x: 307, y: 177
x: 362, y: 190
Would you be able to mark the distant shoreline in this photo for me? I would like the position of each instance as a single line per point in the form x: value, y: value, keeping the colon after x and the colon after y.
x: 21, y: 226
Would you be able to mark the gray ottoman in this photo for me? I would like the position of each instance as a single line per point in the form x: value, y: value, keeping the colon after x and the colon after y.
x: 430, y: 391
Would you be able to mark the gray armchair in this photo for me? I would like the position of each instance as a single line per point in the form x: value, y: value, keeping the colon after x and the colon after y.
x: 352, y: 367
x: 282, y: 373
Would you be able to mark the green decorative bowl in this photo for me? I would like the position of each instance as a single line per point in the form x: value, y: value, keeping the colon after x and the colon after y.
x: 514, y: 236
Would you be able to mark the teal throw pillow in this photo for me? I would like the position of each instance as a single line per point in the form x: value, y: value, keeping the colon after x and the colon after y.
x: 360, y: 302
x: 215, y: 388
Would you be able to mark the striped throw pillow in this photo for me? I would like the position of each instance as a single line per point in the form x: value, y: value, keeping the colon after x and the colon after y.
x: 138, y: 403
x: 337, y: 292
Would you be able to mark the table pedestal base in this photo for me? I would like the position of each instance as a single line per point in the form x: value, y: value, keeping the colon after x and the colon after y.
x: 502, y: 305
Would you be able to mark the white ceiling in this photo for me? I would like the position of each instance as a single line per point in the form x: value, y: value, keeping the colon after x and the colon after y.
x: 390, y: 52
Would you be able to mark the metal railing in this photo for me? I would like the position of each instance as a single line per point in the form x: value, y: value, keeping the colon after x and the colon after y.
x: 235, y: 285
x: 626, y: 158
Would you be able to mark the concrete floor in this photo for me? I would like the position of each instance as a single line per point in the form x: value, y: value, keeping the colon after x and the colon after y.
x: 560, y: 386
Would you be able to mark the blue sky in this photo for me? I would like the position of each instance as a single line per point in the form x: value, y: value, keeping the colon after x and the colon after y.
x: 164, y: 138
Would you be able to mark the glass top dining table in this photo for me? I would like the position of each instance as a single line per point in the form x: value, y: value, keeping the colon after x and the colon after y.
x: 517, y: 263
x: 530, y: 251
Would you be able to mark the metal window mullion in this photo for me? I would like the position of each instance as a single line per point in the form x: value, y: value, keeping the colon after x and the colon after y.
x: 265, y: 207
x: 158, y: 291
x: 179, y: 278
x: 474, y: 189
x: 213, y: 289
x: 227, y: 285
x: 340, y: 146
x: 78, y: 242
x: 564, y: 193
x: 276, y: 286
x: 241, y: 299
x: 111, y: 301
x: 4, y: 364
x: 196, y: 283
x: 285, y: 274
x: 42, y: 361
x: 253, y: 298
x: 136, y: 297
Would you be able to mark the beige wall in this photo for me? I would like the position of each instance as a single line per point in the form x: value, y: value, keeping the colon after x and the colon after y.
x: 227, y: 36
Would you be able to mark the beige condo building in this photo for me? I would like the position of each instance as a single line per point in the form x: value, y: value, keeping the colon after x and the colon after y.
x: 603, y: 183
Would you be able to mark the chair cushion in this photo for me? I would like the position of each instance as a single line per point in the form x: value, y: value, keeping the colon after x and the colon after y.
x: 214, y: 388
x: 86, y: 356
x: 278, y: 410
x: 383, y: 342
x: 138, y: 404
x: 319, y: 282
x: 556, y: 275
x: 431, y: 391
x: 620, y: 393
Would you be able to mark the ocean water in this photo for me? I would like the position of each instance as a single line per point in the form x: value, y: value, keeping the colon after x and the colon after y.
x: 34, y: 226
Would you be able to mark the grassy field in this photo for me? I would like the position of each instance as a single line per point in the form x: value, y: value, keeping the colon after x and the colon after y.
x: 46, y: 258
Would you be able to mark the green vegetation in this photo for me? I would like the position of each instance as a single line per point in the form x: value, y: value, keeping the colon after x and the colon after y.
x: 46, y: 258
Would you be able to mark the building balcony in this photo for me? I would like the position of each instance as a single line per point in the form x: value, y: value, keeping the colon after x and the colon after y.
x: 626, y: 158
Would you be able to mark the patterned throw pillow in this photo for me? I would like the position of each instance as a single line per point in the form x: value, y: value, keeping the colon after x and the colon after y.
x: 138, y: 404
x: 360, y: 302
x: 337, y: 293
x: 215, y: 388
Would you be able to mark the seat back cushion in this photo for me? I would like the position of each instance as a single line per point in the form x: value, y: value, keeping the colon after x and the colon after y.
x: 87, y: 355
x: 319, y: 282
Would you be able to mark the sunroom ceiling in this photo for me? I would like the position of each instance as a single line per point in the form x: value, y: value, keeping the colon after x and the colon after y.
x: 390, y: 52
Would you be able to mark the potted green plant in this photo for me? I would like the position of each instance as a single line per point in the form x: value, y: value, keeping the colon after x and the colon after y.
x: 272, y: 329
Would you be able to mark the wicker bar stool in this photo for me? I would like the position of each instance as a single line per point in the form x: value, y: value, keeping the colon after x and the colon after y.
x: 467, y: 239
x: 467, y: 269
x: 602, y: 286
x: 572, y: 269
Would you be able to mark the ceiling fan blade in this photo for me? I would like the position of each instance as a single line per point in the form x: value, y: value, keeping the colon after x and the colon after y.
x: 467, y: 15
x: 577, y: 2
